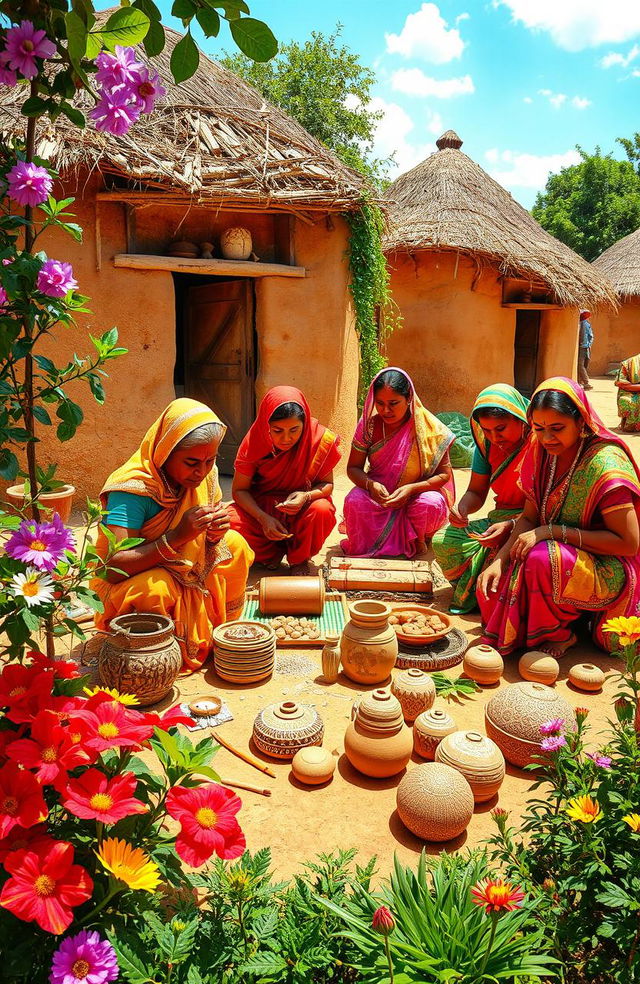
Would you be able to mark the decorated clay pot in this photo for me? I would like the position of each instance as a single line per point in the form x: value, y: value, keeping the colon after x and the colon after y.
x: 513, y: 717
x: 291, y: 595
x: 435, y: 802
x: 369, y: 646
x: 539, y: 667
x: 429, y: 729
x: 586, y: 676
x: 236, y: 243
x: 483, y: 664
x: 378, y: 742
x: 280, y: 730
x: 416, y: 692
x: 331, y: 657
x: 475, y: 757
x: 141, y: 656
x: 313, y: 765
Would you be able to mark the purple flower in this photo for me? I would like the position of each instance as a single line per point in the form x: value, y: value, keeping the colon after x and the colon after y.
x: 553, y: 743
x: 118, y: 68
x: 148, y: 90
x: 7, y: 76
x: 40, y: 544
x: 55, y: 278
x: 84, y: 959
x: 29, y: 184
x: 23, y: 45
x: 552, y: 726
x: 602, y: 761
x: 3, y: 298
x: 114, y: 113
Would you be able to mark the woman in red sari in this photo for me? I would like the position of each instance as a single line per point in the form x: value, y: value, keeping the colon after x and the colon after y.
x: 283, y: 481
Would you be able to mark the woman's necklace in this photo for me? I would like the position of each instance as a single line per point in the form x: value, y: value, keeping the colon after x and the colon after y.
x: 562, y: 488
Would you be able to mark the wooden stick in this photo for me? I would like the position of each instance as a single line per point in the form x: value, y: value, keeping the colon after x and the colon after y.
x: 242, y: 755
x: 244, y: 785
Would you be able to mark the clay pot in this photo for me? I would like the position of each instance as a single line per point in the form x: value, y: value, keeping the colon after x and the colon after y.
x: 141, y: 656
x: 244, y: 651
x: 236, y: 243
x: 59, y: 501
x: 483, y: 664
x: 429, y: 730
x: 331, y: 657
x: 513, y: 717
x: 291, y: 595
x: 475, y: 757
x: 416, y: 692
x: 378, y: 742
x: 586, y: 676
x: 435, y: 802
x: 280, y: 730
x: 369, y: 646
x: 539, y: 667
x: 313, y: 765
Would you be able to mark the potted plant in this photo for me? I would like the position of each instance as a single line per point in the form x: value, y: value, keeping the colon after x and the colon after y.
x: 52, y: 494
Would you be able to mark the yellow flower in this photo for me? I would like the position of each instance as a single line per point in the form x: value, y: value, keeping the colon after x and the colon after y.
x: 584, y: 809
x: 129, y: 864
x: 626, y: 628
x: 126, y: 699
x: 633, y: 819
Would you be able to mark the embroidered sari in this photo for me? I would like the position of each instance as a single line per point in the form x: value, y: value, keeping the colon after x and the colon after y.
x: 538, y: 599
x: 413, y: 453
x: 629, y: 403
x: 205, y: 585
x: 460, y: 557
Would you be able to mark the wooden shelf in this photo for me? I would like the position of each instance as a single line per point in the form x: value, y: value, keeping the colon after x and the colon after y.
x: 207, y: 268
x: 534, y: 306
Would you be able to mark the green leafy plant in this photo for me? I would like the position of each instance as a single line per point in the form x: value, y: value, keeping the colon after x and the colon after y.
x: 454, y: 689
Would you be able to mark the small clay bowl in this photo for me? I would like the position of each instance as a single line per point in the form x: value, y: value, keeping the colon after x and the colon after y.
x: 420, y: 640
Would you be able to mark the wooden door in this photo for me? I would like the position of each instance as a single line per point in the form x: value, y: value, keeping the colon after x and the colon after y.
x: 525, y: 362
x: 220, y: 359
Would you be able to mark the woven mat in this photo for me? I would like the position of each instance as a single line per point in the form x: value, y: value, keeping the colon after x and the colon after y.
x: 436, y: 656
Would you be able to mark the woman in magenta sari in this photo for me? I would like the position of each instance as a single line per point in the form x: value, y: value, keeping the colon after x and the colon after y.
x: 406, y: 493
x: 575, y: 547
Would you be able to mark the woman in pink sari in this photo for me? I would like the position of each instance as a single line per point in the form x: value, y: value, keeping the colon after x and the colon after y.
x: 406, y: 493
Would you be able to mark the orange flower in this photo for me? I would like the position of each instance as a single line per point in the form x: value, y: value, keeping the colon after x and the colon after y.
x: 633, y: 819
x: 497, y: 895
x: 584, y: 809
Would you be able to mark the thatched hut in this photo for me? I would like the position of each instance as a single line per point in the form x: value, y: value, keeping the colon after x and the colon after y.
x: 617, y: 333
x: 485, y: 293
x: 214, y: 155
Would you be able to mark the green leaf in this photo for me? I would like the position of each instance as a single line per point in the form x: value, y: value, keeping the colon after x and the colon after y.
x: 41, y: 415
x: 76, y: 37
x: 184, y: 59
x: 155, y: 40
x: 35, y: 106
x: 127, y: 26
x: 94, y: 44
x: 8, y: 465
x: 209, y: 21
x: 76, y: 117
x: 184, y: 9
x: 232, y: 8
x: 97, y: 389
x: 129, y: 963
x: 254, y: 38
x: 46, y: 365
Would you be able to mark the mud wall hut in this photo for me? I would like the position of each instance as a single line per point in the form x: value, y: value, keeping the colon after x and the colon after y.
x: 617, y: 332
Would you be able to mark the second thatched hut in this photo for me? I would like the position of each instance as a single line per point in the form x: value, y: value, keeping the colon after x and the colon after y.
x: 617, y: 332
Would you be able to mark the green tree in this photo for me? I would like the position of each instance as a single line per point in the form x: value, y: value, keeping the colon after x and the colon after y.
x: 631, y: 149
x: 590, y: 205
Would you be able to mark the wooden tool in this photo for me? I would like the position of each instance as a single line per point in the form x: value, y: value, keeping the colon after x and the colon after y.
x: 249, y: 759
x: 244, y: 785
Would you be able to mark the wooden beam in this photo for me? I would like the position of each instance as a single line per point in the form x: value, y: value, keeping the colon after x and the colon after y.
x: 533, y: 306
x: 208, y: 268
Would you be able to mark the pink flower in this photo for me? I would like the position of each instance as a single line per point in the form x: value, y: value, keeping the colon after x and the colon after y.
x: 552, y: 726
x: 382, y: 921
x: 7, y: 76
x: 118, y: 68
x: 23, y: 45
x: 40, y: 544
x: 29, y: 184
x: 114, y: 113
x: 553, y: 743
x: 602, y: 761
x: 3, y: 298
x: 55, y: 278
x: 85, y: 957
x: 148, y: 90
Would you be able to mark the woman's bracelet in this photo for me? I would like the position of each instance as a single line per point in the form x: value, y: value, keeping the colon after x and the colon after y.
x: 564, y: 533
x: 307, y: 498
x: 163, y: 544
x: 513, y: 524
x: 579, y: 532
x: 367, y: 486
x: 551, y: 536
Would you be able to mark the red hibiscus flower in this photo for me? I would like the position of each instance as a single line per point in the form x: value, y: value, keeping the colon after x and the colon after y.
x: 21, y: 800
x: 50, y: 750
x: 62, y: 669
x: 207, y: 817
x: 34, y: 839
x: 170, y: 718
x: 24, y: 690
x: 45, y: 887
x: 111, y: 725
x: 96, y: 797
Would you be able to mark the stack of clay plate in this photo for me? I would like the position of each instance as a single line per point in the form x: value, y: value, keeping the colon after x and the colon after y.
x: 244, y: 652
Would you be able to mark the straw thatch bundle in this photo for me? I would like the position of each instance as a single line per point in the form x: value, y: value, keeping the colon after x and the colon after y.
x: 214, y: 139
x: 621, y: 264
x: 449, y: 202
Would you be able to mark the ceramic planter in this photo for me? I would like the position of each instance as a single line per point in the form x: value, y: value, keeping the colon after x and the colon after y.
x: 586, y: 676
x: 483, y: 664
x: 539, y: 667
x: 475, y: 757
x: 416, y: 692
x: 291, y: 595
x: 369, y: 645
x: 435, y: 802
x: 429, y: 729
x: 59, y: 501
x: 378, y: 742
x: 141, y: 656
x: 513, y: 717
x: 281, y: 730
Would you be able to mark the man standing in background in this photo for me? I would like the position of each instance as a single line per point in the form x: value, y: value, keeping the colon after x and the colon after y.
x: 585, y: 342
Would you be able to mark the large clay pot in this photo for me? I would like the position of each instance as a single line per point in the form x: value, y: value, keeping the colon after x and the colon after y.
x: 435, y: 802
x: 59, y: 501
x: 483, y: 664
x: 141, y: 656
x: 331, y: 657
x: 313, y: 765
x: 369, y: 646
x: 236, y: 243
x: 539, y: 667
x: 280, y: 730
x: 586, y: 676
x: 429, y: 730
x: 291, y: 595
x: 475, y: 757
x: 378, y: 742
x: 513, y: 717
x: 416, y: 692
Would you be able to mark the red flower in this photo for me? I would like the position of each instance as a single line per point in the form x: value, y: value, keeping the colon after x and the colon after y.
x: 51, y: 750
x: 24, y: 690
x: 34, y: 839
x: 111, y: 725
x: 207, y: 817
x: 21, y: 800
x: 170, y: 718
x: 497, y: 895
x: 382, y: 921
x: 62, y: 669
x: 45, y: 887
x: 96, y: 797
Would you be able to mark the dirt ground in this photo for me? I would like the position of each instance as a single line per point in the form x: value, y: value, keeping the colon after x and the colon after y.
x: 352, y: 810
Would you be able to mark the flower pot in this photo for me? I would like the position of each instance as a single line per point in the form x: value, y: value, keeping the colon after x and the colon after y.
x: 429, y: 729
x: 378, y: 742
x: 475, y: 757
x: 59, y: 501
x: 483, y: 664
x: 141, y: 656
x: 369, y: 645
x: 435, y: 802
x: 416, y: 692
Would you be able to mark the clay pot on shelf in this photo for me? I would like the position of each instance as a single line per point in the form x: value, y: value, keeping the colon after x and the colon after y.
x: 429, y: 729
x: 377, y: 742
x: 280, y: 730
x: 59, y: 501
x: 313, y: 765
x: 586, y: 676
x: 369, y: 645
x: 539, y: 667
x: 331, y: 657
x: 475, y: 757
x: 416, y: 692
x: 435, y: 802
x: 141, y: 656
x: 291, y: 595
x: 236, y: 243
x: 513, y: 717
x: 483, y: 664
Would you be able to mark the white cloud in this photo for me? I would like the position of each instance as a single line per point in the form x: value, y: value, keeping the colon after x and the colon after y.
x: 558, y: 99
x: 580, y: 102
x: 615, y: 58
x: 462, y: 17
x: 492, y: 155
x: 578, y: 24
x: 426, y: 35
x: 413, y: 82
x: 393, y: 136
x: 527, y: 99
x: 434, y: 123
x: 519, y: 170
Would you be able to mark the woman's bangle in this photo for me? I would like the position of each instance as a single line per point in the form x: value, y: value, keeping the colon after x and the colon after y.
x: 513, y: 524
x: 307, y: 498
x: 163, y: 539
x: 564, y: 533
x: 551, y: 536
x: 579, y: 532
x: 367, y: 486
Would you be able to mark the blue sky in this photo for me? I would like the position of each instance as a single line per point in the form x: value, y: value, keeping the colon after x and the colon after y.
x: 522, y: 81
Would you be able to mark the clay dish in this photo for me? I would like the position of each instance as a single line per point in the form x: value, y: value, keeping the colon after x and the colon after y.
x: 421, y: 640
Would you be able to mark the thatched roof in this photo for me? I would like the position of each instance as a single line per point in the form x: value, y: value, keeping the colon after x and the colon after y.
x: 449, y: 202
x: 621, y: 264
x: 214, y: 139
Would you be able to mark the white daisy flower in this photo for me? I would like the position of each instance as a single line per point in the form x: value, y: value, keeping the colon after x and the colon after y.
x: 35, y: 587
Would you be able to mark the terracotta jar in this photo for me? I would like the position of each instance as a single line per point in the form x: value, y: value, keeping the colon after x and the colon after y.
x: 475, y: 757
x: 313, y: 765
x: 435, y: 802
x: 539, y: 667
x: 331, y: 657
x: 291, y: 595
x: 483, y: 664
x: 236, y: 243
x: 369, y: 645
x: 378, y: 742
x: 513, y: 717
x: 280, y: 730
x: 416, y: 692
x: 141, y: 656
x: 59, y: 501
x: 586, y: 676
x: 429, y: 729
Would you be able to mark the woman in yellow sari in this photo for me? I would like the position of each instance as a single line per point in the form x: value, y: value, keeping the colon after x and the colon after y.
x: 191, y: 566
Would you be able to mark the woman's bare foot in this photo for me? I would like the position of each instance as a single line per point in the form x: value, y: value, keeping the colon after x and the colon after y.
x: 558, y: 649
x: 302, y: 570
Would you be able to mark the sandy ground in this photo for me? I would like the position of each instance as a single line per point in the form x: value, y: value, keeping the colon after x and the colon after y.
x: 352, y: 810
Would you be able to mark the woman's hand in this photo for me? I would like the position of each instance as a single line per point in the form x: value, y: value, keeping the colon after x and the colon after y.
x: 293, y: 503
x: 525, y: 543
x: 489, y: 578
x: 194, y: 522
x: 495, y: 535
x: 273, y: 528
x: 378, y: 493
x: 457, y: 516
x: 219, y: 525
x: 398, y: 498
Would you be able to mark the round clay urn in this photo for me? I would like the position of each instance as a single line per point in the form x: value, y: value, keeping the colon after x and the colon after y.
x: 313, y: 765
x: 280, y: 730
x: 539, y: 667
x: 369, y: 645
x: 435, y: 802
x: 513, y: 717
x: 236, y: 243
x: 483, y: 664
x: 416, y: 692
x: 377, y: 741
x: 140, y: 656
x: 586, y: 676
x: 429, y: 729
x: 475, y: 757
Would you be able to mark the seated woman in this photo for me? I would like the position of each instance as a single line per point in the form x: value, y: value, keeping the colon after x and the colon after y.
x: 191, y: 566
x: 500, y: 429
x: 575, y: 547
x: 283, y: 481
x: 404, y: 496
x: 628, y: 383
